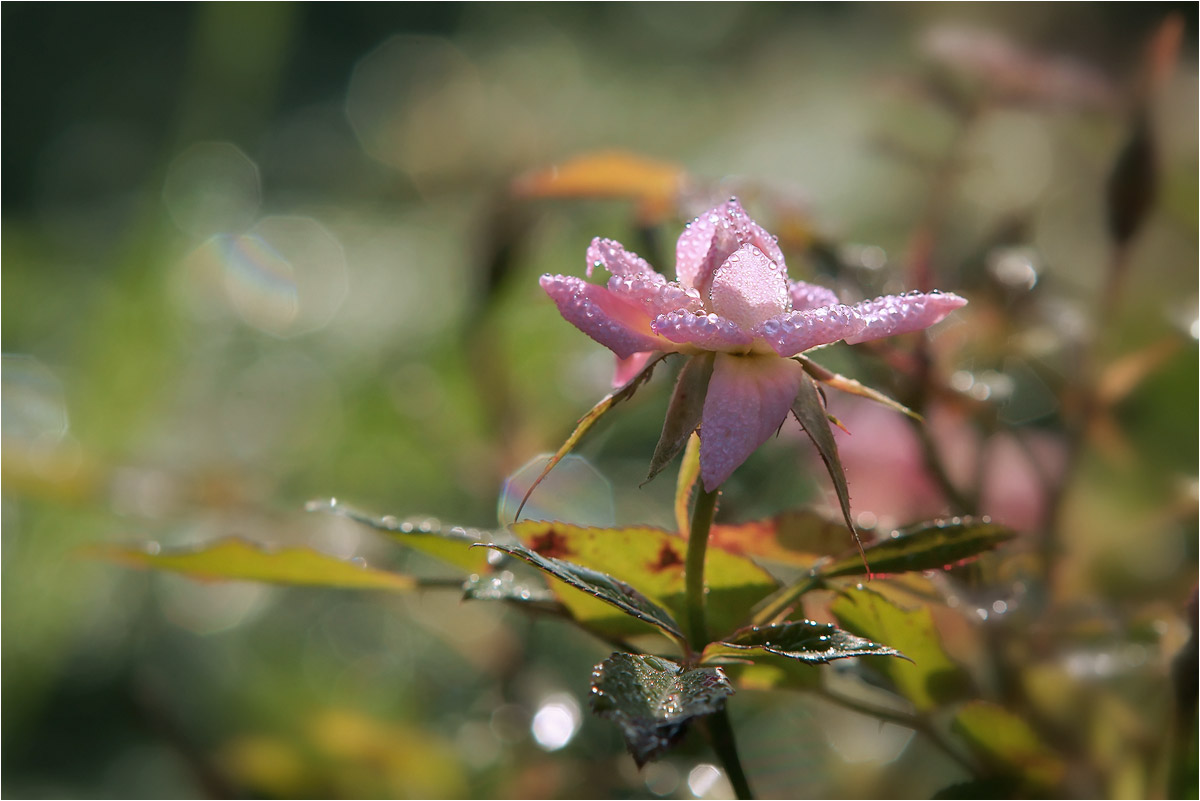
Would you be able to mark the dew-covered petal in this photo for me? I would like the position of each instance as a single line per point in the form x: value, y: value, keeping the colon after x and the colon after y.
x: 654, y: 294
x: 708, y: 240
x: 807, y: 296
x: 749, y: 288
x: 612, y: 256
x: 899, y: 314
x: 615, y: 323
x: 704, y: 331
x: 627, y: 368
x: 748, y: 399
x: 795, y: 332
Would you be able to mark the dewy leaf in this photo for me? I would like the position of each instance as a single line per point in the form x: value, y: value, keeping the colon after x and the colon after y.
x: 934, y: 545
x: 652, y: 559
x: 838, y: 381
x: 598, y: 585
x: 684, y: 411
x: 504, y: 586
x: 588, y: 420
x: 451, y: 544
x: 810, y: 412
x: 653, y: 700
x: 803, y: 640
x: 235, y: 559
x: 931, y: 677
x: 1006, y: 740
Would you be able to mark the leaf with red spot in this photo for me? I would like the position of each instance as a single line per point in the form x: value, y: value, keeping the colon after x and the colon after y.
x: 652, y: 560
x: 798, y: 538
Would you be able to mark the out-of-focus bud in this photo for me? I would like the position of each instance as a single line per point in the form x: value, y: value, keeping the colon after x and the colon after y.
x: 1133, y: 183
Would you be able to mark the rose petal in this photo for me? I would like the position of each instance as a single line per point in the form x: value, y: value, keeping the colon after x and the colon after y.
x: 612, y: 256
x: 748, y: 399
x: 615, y: 323
x: 708, y: 240
x: 627, y: 368
x: 704, y: 331
x: 654, y: 294
x: 899, y: 314
x: 798, y: 331
x: 749, y: 288
x: 807, y: 296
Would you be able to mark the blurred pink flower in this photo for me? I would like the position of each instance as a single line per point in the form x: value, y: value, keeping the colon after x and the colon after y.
x: 732, y: 297
x: 893, y: 485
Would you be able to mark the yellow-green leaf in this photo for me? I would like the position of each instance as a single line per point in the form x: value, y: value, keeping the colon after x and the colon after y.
x: 234, y: 559
x: 652, y: 560
x: 931, y: 678
x: 1008, y: 742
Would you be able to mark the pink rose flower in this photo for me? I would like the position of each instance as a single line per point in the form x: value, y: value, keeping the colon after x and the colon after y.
x: 733, y: 298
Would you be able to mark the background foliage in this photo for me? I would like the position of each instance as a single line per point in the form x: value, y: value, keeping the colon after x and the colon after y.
x: 166, y: 378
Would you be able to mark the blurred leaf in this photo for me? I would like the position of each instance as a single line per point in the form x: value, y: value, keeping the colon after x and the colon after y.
x: 652, y: 559
x: 798, y: 538
x: 931, y: 678
x: 837, y: 381
x: 588, y: 420
x: 810, y: 412
x: 689, y: 473
x: 653, y: 700
x: 655, y: 185
x: 770, y: 672
x: 803, y: 640
x: 933, y: 545
x: 598, y: 585
x: 1007, y: 741
x: 451, y: 544
x: 235, y: 559
x: 684, y: 411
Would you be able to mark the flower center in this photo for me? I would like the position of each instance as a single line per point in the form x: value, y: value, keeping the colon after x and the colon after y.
x: 749, y: 288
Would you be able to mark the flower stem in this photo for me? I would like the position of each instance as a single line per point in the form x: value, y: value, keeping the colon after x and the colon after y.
x: 702, y: 518
x: 723, y: 743
x: 718, y: 722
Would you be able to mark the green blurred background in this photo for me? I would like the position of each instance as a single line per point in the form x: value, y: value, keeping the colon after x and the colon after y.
x: 259, y: 254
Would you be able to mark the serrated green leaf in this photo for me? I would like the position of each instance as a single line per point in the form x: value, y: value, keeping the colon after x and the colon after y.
x: 1007, y: 741
x: 234, y: 559
x: 683, y: 412
x: 598, y: 585
x: 849, y: 385
x: 931, y: 678
x: 449, y: 543
x: 652, y: 560
x: 810, y: 412
x: 803, y: 640
x: 653, y: 700
x: 933, y: 545
x: 588, y: 420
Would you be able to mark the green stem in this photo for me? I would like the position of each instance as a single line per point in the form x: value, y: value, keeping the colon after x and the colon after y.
x: 726, y: 748
x: 718, y: 722
x: 702, y: 518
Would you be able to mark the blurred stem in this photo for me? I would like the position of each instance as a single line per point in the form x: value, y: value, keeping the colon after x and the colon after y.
x: 917, y: 724
x: 702, y: 518
x: 723, y: 743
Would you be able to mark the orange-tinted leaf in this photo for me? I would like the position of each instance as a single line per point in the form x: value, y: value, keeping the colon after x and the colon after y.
x: 609, y: 174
